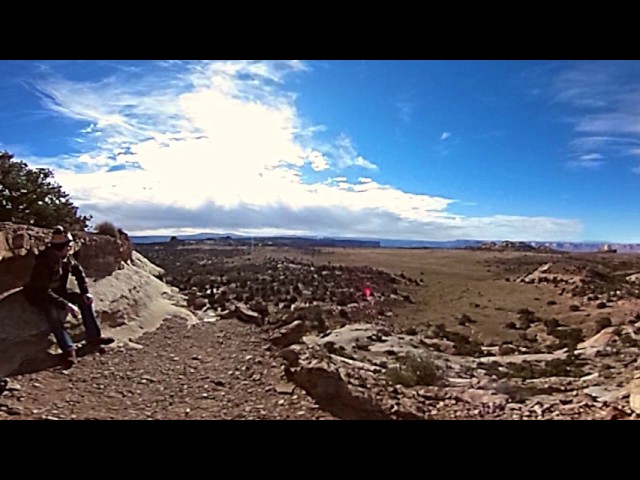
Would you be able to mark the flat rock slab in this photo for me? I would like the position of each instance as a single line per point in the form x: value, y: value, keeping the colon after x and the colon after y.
x: 483, y: 397
x: 605, y: 394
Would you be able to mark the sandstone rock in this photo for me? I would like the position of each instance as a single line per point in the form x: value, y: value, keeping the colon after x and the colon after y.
x: 614, y: 413
x: 507, y: 349
x: 199, y: 303
x: 227, y: 314
x: 634, y: 395
x: 605, y: 393
x: 635, y: 278
x: 326, y: 385
x: 245, y: 314
x: 20, y: 241
x: 290, y: 356
x: 482, y: 396
x: 285, y: 388
x: 127, y: 300
x: 99, y: 255
x: 289, y: 334
x: 600, y: 340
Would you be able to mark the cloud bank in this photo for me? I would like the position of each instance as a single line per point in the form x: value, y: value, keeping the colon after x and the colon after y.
x: 182, y: 147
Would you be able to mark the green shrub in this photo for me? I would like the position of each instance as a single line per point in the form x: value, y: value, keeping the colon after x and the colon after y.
x: 414, y: 370
x: 30, y: 196
x: 107, y: 228
x: 602, y: 323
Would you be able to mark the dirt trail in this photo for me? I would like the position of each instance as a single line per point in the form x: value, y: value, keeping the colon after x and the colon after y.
x: 211, y: 370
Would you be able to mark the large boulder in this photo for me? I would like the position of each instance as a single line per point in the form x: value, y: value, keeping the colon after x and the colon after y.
x: 99, y: 255
x: 24, y: 333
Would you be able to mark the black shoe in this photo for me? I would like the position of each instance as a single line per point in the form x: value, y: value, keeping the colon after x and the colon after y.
x: 101, y: 341
x: 69, y: 357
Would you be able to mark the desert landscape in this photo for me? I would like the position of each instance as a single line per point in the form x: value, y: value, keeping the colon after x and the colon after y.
x: 362, y: 333
x: 320, y: 239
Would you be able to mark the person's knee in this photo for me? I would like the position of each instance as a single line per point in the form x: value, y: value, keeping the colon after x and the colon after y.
x: 56, y: 317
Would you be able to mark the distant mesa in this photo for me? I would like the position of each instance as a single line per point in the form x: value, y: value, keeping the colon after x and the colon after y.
x: 509, y: 246
x: 237, y: 241
x: 301, y: 241
x: 556, y: 247
x: 607, y: 248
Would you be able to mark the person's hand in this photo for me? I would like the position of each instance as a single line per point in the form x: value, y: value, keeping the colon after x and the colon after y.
x: 73, y: 311
x: 88, y: 299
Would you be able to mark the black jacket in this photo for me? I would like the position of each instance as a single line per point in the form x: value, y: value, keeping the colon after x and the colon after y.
x: 49, y: 277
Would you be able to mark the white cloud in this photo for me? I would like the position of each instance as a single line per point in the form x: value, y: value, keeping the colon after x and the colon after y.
x: 445, y: 135
x: 318, y: 161
x: 616, y: 122
x: 405, y: 110
x: 605, y: 100
x: 361, y: 162
x: 590, y: 161
x: 222, y: 147
x: 591, y: 156
x: 347, y: 156
x: 587, y: 164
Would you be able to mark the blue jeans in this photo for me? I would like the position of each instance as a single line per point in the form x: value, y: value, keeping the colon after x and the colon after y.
x: 56, y: 317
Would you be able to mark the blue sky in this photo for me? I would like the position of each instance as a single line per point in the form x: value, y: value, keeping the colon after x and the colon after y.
x: 433, y: 150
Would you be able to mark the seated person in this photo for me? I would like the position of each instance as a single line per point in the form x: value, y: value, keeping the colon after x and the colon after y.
x: 47, y: 291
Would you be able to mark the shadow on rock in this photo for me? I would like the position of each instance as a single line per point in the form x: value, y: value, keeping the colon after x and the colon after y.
x: 24, y: 337
x: 45, y: 361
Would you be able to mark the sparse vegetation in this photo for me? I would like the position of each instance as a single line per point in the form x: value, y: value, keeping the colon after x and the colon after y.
x: 294, y: 290
x: 602, y: 323
x: 568, y: 337
x: 107, y: 228
x: 628, y: 341
x: 551, y: 324
x: 411, y: 331
x: 413, y: 371
x: 464, y: 345
x: 567, y: 367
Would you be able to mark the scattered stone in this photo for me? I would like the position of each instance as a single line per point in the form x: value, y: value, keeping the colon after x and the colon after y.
x: 605, y: 394
x: 482, y: 396
x: 289, y: 334
x: 285, y: 388
x: 614, y: 413
x: 12, y: 410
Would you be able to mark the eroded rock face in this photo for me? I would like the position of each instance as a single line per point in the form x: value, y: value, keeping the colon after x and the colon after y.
x: 346, y: 389
x: 99, y: 255
x: 129, y: 296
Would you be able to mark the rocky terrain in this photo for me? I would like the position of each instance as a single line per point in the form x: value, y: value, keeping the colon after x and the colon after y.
x: 273, y: 333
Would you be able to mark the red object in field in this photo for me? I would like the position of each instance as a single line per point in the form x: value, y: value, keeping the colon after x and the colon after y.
x: 367, y: 292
